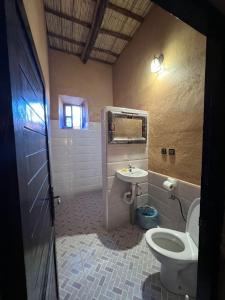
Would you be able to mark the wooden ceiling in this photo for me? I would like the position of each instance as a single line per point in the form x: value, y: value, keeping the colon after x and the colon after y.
x: 93, y: 29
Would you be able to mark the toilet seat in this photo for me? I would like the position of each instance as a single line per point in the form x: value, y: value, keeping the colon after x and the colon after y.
x: 178, y: 253
x: 188, y: 251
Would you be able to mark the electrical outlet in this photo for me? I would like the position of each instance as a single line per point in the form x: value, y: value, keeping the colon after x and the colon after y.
x: 163, y: 151
x: 172, y: 152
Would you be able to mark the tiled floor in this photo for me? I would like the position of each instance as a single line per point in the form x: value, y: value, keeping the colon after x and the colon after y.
x: 96, y: 264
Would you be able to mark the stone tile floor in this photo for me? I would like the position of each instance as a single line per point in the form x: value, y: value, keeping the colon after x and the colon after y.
x: 99, y: 265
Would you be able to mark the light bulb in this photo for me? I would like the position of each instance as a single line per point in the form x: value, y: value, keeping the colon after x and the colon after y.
x: 156, y: 64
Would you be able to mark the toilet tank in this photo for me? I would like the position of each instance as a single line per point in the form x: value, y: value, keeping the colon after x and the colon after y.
x: 192, y: 226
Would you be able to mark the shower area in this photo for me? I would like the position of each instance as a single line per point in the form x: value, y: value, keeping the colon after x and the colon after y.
x: 76, y: 159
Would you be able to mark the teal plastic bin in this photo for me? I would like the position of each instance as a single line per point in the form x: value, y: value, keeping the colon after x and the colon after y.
x: 147, y: 217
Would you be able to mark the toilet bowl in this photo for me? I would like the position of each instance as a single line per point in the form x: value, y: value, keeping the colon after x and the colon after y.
x: 178, y: 253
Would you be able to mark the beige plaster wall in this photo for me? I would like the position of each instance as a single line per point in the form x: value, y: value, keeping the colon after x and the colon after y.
x: 35, y: 14
x: 69, y: 76
x: 174, y: 99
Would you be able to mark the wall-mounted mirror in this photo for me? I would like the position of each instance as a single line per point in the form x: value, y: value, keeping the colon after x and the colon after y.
x: 127, y: 128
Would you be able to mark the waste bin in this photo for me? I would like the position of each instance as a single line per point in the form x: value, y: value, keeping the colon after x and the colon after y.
x: 147, y: 217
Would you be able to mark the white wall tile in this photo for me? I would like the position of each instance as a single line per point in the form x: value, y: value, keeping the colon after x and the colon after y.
x: 169, y: 210
x: 156, y: 178
x: 143, y: 200
x: 117, y: 156
x: 126, y: 152
x: 54, y: 124
x: 158, y: 193
x: 143, y: 188
x: 110, y: 180
x: 188, y: 190
x: 76, y: 158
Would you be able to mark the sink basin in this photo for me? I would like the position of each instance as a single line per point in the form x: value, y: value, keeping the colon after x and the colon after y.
x: 134, y: 176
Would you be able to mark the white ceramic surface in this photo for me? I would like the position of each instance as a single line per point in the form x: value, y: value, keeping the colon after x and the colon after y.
x: 134, y: 175
x: 178, y: 253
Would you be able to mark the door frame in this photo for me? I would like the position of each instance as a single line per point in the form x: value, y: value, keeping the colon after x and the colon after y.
x: 206, y: 19
x: 209, y: 21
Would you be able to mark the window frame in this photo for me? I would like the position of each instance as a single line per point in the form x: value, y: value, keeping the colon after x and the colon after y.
x: 71, y: 117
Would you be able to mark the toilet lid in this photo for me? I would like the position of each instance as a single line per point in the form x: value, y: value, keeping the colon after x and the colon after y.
x: 192, y: 226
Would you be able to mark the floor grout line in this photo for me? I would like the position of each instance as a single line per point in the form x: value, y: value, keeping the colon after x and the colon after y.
x: 88, y: 255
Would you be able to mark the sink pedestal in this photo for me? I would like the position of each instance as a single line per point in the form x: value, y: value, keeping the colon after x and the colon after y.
x: 133, y: 204
x: 134, y: 176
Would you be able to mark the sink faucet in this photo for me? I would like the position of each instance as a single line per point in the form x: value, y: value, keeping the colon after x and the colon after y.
x: 130, y: 167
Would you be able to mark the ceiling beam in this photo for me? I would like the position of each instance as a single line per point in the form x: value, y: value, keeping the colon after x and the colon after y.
x: 125, y: 12
x: 87, y: 25
x: 64, y: 50
x: 100, y: 9
x: 79, y: 54
x: 106, y: 51
x: 116, y: 34
x: 67, y: 17
x: 81, y: 44
x: 66, y: 39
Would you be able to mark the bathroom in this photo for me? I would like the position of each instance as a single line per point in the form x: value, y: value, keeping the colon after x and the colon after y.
x: 116, y: 140
x: 83, y: 162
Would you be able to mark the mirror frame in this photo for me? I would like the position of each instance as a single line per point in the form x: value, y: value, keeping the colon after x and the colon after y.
x: 123, y: 114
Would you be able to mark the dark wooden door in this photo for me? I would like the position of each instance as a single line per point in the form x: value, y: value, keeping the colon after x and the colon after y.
x: 32, y: 160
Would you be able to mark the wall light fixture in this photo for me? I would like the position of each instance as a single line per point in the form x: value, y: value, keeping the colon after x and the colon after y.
x: 156, y: 64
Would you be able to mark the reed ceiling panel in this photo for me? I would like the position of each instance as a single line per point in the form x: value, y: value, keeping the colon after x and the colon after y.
x: 58, y: 44
x: 81, y: 9
x: 69, y: 25
x: 108, y: 42
x: 140, y: 7
x: 117, y: 22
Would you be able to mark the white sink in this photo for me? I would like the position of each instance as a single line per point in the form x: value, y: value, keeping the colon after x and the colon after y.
x: 133, y: 175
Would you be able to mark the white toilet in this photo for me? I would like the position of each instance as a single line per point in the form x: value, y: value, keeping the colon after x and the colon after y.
x: 178, y: 253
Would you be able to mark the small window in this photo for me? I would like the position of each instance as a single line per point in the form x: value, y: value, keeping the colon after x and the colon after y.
x: 73, y: 112
x: 73, y: 116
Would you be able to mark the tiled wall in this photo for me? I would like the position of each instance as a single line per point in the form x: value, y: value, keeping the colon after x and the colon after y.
x: 76, y: 159
x: 170, y: 216
x: 117, y: 156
